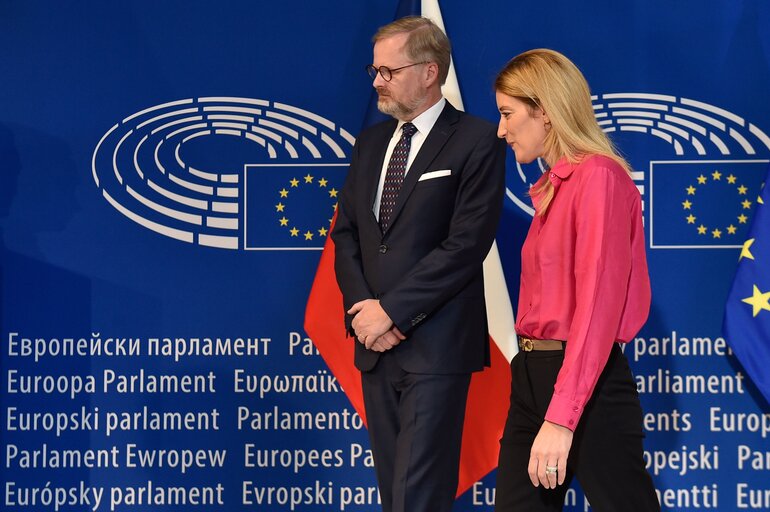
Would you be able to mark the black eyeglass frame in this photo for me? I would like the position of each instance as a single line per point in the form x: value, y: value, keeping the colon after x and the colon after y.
x: 386, y: 72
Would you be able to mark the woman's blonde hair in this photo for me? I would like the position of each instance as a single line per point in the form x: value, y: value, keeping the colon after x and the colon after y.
x: 547, y: 80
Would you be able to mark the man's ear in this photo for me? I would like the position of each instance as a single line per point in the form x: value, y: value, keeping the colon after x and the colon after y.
x: 431, y: 73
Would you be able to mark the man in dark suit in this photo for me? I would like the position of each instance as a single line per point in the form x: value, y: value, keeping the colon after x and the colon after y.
x: 416, y: 219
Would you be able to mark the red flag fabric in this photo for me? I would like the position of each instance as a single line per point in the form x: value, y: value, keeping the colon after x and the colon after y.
x: 325, y: 324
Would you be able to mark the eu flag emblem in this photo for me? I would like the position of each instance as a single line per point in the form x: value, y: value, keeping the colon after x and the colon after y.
x: 702, y: 204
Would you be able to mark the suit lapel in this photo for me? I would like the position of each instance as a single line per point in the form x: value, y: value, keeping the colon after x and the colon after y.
x: 437, y: 138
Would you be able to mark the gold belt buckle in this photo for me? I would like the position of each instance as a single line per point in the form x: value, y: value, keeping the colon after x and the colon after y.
x: 526, y: 344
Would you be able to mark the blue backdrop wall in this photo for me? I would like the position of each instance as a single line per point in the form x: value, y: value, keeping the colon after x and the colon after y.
x: 168, y: 172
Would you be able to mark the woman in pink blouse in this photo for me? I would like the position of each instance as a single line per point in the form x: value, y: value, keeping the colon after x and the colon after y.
x: 584, y: 291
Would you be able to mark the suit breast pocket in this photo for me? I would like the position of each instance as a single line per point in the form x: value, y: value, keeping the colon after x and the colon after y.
x: 431, y: 179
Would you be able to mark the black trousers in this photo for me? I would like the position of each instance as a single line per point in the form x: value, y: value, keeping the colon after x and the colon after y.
x: 606, y: 453
x: 415, y: 427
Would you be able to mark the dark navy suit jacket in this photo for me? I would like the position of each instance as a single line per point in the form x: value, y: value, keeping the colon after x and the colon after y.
x: 426, y: 269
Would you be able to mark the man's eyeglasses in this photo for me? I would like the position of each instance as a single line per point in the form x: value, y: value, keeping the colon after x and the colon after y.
x: 386, y: 72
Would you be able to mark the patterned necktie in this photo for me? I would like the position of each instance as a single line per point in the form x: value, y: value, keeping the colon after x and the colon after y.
x: 394, y: 176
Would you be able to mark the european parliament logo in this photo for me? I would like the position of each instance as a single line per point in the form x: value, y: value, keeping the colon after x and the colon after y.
x: 700, y: 191
x: 226, y: 172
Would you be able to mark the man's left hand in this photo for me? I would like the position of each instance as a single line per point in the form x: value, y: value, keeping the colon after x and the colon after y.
x: 370, y: 321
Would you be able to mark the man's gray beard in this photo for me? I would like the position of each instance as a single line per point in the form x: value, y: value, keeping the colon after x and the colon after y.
x: 397, y: 109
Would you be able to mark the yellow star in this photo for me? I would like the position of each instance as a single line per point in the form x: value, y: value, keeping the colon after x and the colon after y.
x: 746, y: 250
x: 758, y: 301
x: 308, y: 235
x: 731, y: 229
x: 716, y: 233
x: 716, y: 175
x: 333, y: 192
x: 690, y: 190
x: 742, y: 219
x: 690, y: 219
x: 294, y: 182
x: 279, y: 207
x: 746, y: 204
x: 284, y: 221
x: 731, y: 179
x: 760, y: 200
x: 686, y: 204
x: 323, y: 231
x: 702, y: 229
x: 308, y: 178
x: 742, y: 190
x: 284, y: 192
x: 294, y: 231
x: 334, y: 206
x: 702, y: 180
x: 322, y: 182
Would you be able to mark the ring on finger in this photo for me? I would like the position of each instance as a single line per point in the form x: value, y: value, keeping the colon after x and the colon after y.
x: 551, y: 470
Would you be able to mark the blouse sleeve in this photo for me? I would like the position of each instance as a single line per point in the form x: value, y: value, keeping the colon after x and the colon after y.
x: 602, y: 266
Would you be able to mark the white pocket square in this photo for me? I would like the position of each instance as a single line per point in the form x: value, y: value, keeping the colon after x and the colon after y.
x: 435, y: 174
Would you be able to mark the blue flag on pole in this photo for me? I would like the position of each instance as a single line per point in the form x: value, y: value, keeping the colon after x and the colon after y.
x: 747, y: 312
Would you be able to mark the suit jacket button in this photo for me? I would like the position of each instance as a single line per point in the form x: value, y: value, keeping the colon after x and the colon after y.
x: 383, y: 249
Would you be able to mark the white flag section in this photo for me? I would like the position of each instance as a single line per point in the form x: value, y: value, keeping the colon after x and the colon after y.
x: 499, y: 310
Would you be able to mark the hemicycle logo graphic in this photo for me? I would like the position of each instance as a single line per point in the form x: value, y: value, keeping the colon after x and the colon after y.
x: 226, y: 172
x: 714, y: 169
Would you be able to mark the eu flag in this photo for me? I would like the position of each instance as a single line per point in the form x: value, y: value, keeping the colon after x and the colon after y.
x: 702, y: 204
x: 747, y: 313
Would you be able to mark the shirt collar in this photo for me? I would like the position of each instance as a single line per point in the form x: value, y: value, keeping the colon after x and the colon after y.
x: 562, y: 169
x: 425, y: 121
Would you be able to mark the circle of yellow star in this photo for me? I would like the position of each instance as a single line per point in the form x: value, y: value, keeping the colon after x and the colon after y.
x: 716, y: 175
x: 731, y: 229
x: 758, y: 301
x: 716, y: 233
x: 690, y: 219
x: 702, y: 229
x: 686, y: 204
x: 690, y: 190
x: 731, y: 179
x: 742, y: 219
x: 702, y: 180
x: 308, y: 234
x: 742, y: 190
x: 746, y: 204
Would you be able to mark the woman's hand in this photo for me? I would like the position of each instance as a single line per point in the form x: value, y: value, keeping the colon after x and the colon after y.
x: 548, y: 457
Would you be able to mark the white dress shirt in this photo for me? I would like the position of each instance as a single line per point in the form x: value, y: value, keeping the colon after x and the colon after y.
x: 424, y: 124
